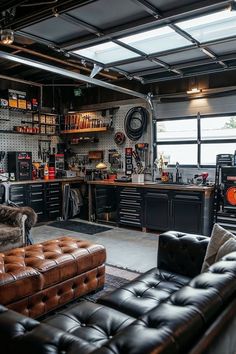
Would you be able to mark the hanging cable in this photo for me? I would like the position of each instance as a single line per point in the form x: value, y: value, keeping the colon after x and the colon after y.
x: 136, y: 122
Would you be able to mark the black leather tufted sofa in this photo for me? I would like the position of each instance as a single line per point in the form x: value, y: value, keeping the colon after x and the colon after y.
x: 170, y: 309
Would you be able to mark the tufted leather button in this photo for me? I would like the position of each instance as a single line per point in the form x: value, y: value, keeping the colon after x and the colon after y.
x: 83, y: 325
x: 110, y: 337
x: 138, y: 296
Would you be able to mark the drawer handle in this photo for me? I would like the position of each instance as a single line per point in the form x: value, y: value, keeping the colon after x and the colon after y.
x: 189, y: 197
x: 54, y: 211
x: 51, y: 205
x: 161, y: 195
x: 36, y: 193
x: 37, y: 200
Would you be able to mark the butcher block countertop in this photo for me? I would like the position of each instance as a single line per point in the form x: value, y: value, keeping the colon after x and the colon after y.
x: 208, y: 190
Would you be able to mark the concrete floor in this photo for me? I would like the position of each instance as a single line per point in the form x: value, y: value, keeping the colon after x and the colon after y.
x: 126, y: 248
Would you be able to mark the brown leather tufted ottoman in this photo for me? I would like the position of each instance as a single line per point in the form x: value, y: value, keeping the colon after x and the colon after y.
x: 41, y: 277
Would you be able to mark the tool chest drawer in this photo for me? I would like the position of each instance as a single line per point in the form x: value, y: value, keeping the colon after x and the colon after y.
x: 17, y: 194
x: 130, y: 206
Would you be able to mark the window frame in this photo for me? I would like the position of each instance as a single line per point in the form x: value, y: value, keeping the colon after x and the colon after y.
x: 199, y: 142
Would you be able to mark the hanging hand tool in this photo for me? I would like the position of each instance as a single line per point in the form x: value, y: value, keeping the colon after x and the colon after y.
x: 39, y: 150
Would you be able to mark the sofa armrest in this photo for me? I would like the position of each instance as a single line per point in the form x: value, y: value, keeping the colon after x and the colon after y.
x: 11, y: 216
x: 181, y: 253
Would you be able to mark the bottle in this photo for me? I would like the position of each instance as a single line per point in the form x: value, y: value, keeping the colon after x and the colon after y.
x: 46, y: 172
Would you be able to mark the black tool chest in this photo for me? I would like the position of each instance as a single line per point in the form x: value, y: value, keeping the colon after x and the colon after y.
x: 44, y: 198
x: 130, y: 206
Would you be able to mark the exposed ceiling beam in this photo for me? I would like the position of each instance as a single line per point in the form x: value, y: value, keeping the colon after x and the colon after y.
x: 59, y: 61
x: 72, y: 75
x: 85, y: 25
x: 185, y: 75
x: 5, y: 77
x: 184, y: 65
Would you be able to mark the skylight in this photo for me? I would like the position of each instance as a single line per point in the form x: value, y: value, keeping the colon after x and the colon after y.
x: 105, y: 53
x: 206, y: 28
x: 157, y: 40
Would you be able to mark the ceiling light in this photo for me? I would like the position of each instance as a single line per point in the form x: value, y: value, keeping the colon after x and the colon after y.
x: 194, y: 90
x: 7, y: 36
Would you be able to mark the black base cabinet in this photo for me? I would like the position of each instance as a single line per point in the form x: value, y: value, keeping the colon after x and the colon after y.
x: 105, y: 203
x: 186, y: 212
x: 44, y: 198
x: 178, y: 210
x: 156, y: 208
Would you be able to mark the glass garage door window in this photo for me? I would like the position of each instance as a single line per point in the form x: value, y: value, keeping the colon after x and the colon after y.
x: 177, y: 130
x: 184, y: 154
x: 209, y: 151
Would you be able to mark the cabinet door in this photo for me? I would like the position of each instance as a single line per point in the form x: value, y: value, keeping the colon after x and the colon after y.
x: 186, y: 213
x: 106, y: 203
x: 157, y: 210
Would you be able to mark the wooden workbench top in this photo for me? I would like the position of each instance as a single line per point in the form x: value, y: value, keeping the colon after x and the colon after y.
x: 64, y: 180
x: 155, y: 185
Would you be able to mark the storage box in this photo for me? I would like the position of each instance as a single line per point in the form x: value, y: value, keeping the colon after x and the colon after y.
x: 22, y: 100
x: 12, y: 99
x: 138, y: 178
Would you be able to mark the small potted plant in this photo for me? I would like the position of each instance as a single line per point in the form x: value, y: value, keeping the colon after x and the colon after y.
x: 112, y: 174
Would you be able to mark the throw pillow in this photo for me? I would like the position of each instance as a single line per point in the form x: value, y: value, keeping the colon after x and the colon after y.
x: 218, y: 237
x: 227, y: 247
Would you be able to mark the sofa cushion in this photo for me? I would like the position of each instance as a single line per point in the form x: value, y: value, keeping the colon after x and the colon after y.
x: 95, y: 324
x: 10, y: 237
x: 145, y: 292
x: 22, y: 335
x: 9, y: 232
x: 182, y: 253
x: 167, y: 329
x: 218, y: 237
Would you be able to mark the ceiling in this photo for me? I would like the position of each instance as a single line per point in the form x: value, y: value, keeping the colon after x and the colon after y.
x: 59, y: 32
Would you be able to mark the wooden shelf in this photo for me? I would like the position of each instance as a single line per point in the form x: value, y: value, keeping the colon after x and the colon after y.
x: 24, y: 133
x: 87, y: 130
x: 37, y: 122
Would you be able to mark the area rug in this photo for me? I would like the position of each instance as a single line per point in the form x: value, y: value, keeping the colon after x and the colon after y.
x: 80, y: 227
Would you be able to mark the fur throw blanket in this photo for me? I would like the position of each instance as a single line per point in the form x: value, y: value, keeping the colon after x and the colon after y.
x: 13, y: 216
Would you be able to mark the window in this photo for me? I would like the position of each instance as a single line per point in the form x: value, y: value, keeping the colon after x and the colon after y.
x: 206, y: 28
x: 106, y: 53
x: 196, y: 141
x: 156, y: 41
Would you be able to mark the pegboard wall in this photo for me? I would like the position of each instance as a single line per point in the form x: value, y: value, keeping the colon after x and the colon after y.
x: 106, y: 140
x: 20, y: 142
